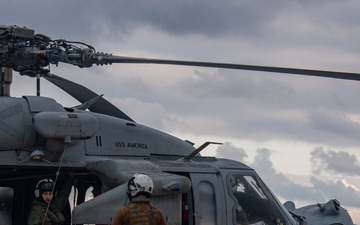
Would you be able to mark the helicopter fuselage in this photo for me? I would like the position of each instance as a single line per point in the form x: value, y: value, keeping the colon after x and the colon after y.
x: 40, y: 137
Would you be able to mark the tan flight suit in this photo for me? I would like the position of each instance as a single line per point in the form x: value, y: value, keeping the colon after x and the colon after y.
x: 139, y: 212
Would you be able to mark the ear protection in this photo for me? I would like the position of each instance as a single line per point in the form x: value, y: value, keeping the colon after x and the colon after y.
x: 36, y: 193
x: 44, y: 185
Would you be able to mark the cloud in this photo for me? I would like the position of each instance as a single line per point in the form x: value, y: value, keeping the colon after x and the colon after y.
x: 173, y: 17
x: 331, y: 161
x: 347, y: 195
x: 317, y: 191
x: 255, y: 20
x: 234, y: 85
x: 314, y: 191
x: 228, y: 150
x: 278, y: 182
x: 334, y: 123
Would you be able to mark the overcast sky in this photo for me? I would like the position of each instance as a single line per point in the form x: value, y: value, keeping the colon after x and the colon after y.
x: 302, y: 134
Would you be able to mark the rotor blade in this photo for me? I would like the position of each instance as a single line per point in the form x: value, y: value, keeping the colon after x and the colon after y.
x: 83, y: 94
x: 308, y: 72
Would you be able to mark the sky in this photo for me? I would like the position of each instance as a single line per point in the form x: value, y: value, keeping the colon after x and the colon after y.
x: 300, y: 133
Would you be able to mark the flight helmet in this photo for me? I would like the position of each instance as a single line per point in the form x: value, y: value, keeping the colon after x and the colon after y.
x: 44, y: 185
x: 140, y: 184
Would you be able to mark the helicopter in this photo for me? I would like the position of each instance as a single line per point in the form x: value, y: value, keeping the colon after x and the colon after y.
x: 100, y: 148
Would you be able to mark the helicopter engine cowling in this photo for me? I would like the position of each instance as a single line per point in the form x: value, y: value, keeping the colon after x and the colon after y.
x: 33, y: 123
x: 59, y: 125
x: 60, y: 128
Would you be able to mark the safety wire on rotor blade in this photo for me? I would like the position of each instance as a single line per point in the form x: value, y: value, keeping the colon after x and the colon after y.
x: 56, y: 178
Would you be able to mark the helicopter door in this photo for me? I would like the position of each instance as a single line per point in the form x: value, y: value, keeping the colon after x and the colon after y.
x: 6, y: 207
x: 208, y: 194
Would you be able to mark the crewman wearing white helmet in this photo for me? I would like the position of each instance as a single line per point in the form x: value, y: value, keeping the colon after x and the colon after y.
x: 140, y: 211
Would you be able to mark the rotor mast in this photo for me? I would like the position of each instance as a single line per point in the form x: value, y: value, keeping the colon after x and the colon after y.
x: 5, y: 80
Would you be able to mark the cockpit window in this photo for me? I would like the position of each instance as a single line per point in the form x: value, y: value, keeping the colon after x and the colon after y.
x: 253, y: 206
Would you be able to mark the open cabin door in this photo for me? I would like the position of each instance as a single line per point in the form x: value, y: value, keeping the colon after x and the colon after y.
x: 209, y: 199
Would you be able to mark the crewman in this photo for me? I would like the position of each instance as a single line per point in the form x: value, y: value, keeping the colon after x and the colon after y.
x: 140, y: 211
x: 45, y: 209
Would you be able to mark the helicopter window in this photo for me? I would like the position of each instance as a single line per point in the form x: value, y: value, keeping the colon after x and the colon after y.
x: 6, y: 205
x: 252, y: 205
x: 208, y: 203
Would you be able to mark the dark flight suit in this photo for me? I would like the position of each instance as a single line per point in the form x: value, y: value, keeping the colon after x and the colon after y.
x: 54, y: 215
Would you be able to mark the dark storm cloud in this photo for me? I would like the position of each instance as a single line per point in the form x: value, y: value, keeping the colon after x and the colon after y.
x: 269, y: 107
x: 330, y: 161
x: 114, y: 22
x: 260, y: 23
x: 333, y: 126
x: 212, y: 18
x: 209, y: 18
x: 234, y: 85
x: 56, y: 19
x: 331, y: 122
x: 242, y: 18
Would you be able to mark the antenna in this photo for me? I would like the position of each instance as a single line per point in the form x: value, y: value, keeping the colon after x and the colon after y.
x: 199, y: 149
x: 38, y: 85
